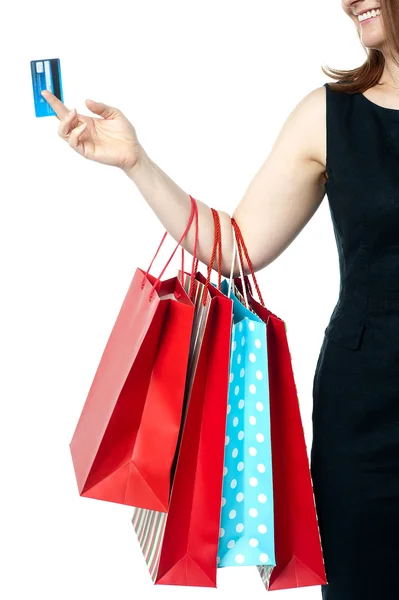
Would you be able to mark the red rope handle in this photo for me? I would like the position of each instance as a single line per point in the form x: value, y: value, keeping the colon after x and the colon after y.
x: 194, y: 214
x: 210, y: 266
x: 239, y: 248
x: 195, y: 259
x: 242, y: 248
x: 156, y: 253
x: 218, y: 229
x: 195, y: 262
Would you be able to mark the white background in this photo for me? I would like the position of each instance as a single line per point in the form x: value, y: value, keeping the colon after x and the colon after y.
x: 208, y: 86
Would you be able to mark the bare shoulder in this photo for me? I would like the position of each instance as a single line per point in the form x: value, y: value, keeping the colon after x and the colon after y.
x: 290, y: 185
x: 311, y: 114
x: 308, y: 120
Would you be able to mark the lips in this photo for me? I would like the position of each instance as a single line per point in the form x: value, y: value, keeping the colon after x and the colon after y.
x: 365, y: 11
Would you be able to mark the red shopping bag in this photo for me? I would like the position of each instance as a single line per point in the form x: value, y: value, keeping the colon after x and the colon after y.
x: 180, y: 548
x: 299, y: 557
x: 125, y: 440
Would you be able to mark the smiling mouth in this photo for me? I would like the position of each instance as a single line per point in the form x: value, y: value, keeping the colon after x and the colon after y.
x: 370, y: 14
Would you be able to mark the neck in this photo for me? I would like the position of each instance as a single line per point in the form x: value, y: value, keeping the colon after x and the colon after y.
x: 390, y: 76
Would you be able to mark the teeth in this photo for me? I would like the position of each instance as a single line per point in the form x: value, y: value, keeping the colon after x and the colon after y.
x: 369, y: 14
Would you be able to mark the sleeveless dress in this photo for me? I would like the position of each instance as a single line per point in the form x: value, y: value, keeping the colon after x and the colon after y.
x: 355, y: 447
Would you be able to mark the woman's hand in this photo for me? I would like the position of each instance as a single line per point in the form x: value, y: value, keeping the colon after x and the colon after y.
x: 110, y: 139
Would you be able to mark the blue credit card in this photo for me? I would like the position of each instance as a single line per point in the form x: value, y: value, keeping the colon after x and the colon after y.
x: 46, y: 75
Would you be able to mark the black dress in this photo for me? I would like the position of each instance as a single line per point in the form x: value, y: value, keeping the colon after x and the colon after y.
x: 355, y: 448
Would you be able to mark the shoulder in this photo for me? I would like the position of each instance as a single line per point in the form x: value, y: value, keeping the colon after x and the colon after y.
x: 310, y: 111
x: 305, y: 127
x: 310, y: 117
x: 317, y: 97
x: 315, y: 100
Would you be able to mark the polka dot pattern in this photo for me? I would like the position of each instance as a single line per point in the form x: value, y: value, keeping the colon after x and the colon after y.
x: 247, y: 506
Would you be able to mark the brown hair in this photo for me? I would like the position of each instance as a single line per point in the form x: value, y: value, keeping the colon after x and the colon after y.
x: 370, y: 72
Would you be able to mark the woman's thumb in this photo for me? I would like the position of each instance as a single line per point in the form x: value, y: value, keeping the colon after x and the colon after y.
x: 105, y: 111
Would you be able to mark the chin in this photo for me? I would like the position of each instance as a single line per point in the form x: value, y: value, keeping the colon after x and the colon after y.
x: 372, y: 38
x: 374, y: 42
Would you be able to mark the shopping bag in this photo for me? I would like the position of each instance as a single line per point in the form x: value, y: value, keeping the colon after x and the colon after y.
x: 180, y: 547
x: 125, y: 440
x: 299, y: 557
x: 247, y: 525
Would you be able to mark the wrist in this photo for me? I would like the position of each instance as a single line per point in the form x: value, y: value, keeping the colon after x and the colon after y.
x: 143, y: 162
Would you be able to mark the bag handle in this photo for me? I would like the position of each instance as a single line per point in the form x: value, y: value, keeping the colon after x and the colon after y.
x: 194, y: 214
x: 193, y: 206
x: 218, y: 233
x: 236, y: 255
x: 216, y: 253
x: 242, y: 250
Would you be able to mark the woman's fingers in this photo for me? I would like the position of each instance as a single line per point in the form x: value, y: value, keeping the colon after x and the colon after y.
x: 58, y: 107
x: 67, y: 124
x: 74, y: 138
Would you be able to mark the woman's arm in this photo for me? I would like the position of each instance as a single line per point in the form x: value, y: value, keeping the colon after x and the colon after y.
x: 283, y: 196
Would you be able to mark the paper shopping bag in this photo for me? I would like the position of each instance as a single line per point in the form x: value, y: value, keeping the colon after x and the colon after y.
x: 180, y: 548
x: 299, y: 558
x: 125, y: 441
x: 247, y: 523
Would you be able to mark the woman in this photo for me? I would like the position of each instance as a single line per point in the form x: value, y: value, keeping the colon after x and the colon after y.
x: 343, y: 139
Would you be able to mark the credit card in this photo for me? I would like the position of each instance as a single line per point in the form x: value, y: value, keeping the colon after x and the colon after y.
x: 46, y: 75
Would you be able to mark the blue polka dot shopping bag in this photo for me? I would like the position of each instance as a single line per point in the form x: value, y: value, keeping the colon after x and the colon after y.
x: 247, y: 527
x: 298, y: 550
